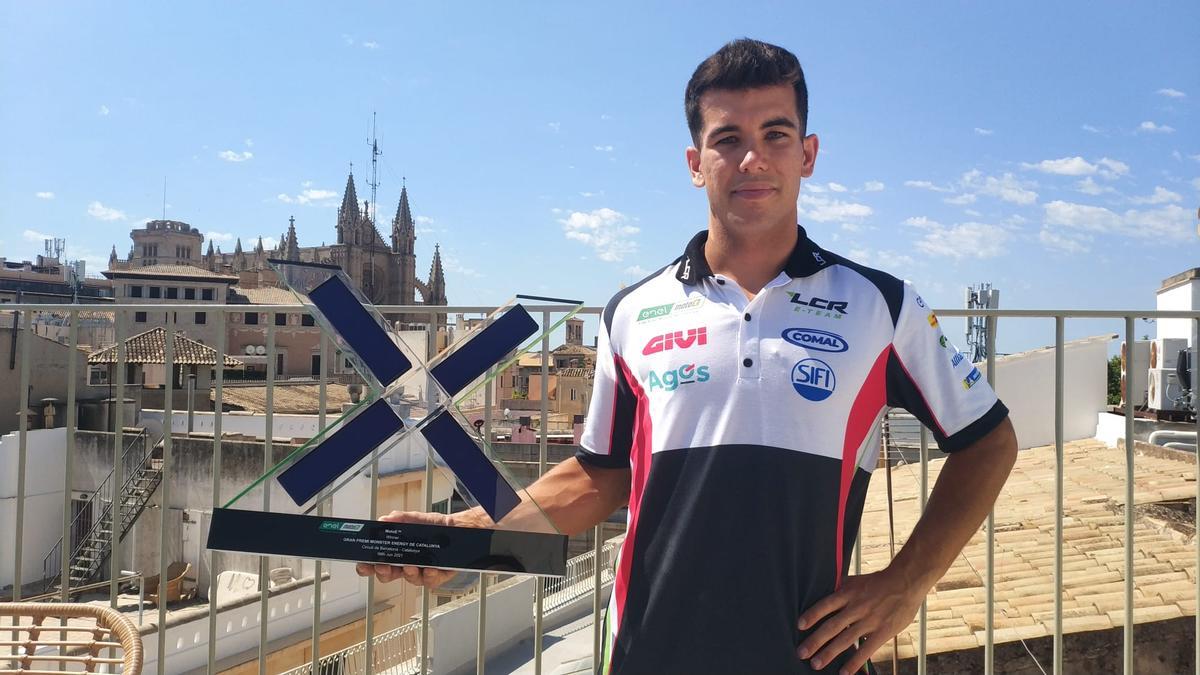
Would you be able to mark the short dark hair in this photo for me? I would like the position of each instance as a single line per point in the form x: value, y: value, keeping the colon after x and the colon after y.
x: 744, y: 64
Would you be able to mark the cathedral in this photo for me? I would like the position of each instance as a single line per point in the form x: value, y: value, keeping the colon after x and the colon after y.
x: 385, y: 270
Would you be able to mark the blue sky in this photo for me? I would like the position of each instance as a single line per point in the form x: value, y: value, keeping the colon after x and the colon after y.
x: 1049, y: 148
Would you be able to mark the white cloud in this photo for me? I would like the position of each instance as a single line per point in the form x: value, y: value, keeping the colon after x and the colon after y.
x: 1112, y: 168
x: 1006, y: 187
x: 984, y: 132
x: 923, y: 222
x: 603, y: 148
x: 1196, y: 184
x: 608, y: 232
x: 269, y: 243
x: 825, y: 209
x: 219, y: 236
x: 348, y: 39
x: 1090, y: 187
x: 309, y: 196
x: 964, y: 240
x: 1195, y: 157
x: 1090, y: 129
x: 887, y: 260
x: 606, y: 117
x: 837, y: 187
x: 1171, y: 93
x: 1151, y: 127
x: 636, y: 271
x: 554, y: 126
x: 926, y: 185
x: 423, y: 220
x: 1067, y: 166
x: 1161, y: 196
x: 452, y: 265
x: 1171, y: 221
x: 873, y: 186
x: 234, y: 156
x: 960, y: 200
x: 249, y: 142
x: 1064, y: 242
x: 102, y: 212
x: 815, y: 188
x: 34, y: 235
x: 44, y: 195
x: 851, y: 227
x: 103, y: 111
x: 592, y: 194
x: 371, y: 45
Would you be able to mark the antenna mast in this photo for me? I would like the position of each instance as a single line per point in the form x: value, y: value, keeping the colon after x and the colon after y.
x: 979, y: 296
x: 373, y: 212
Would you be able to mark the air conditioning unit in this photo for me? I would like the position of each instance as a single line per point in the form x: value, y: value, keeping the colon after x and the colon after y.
x: 1164, y: 352
x: 1135, y: 382
x: 1164, y: 389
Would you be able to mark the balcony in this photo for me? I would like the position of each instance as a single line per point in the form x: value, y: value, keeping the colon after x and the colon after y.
x: 1088, y: 563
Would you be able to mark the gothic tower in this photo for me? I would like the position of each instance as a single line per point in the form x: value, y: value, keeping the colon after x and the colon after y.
x: 404, y: 241
x: 348, y: 213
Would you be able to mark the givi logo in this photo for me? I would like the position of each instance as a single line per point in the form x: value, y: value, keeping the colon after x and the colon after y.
x: 680, y: 339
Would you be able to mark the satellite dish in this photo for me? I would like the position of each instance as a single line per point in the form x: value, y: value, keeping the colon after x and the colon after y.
x: 249, y: 350
x: 260, y: 350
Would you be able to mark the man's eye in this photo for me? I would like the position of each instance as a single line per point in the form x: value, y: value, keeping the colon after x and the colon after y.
x: 728, y: 140
x: 774, y: 135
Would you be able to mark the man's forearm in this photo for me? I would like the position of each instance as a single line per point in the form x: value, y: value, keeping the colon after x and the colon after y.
x: 965, y: 492
x: 573, y: 495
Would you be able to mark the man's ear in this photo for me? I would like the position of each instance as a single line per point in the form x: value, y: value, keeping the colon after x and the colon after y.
x: 811, y: 145
x: 693, y: 162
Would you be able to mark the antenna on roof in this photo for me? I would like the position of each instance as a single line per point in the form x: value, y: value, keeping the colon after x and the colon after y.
x: 164, y: 198
x: 979, y: 296
x: 373, y: 212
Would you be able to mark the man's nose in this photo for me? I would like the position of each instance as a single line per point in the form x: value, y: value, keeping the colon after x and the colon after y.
x: 753, y: 161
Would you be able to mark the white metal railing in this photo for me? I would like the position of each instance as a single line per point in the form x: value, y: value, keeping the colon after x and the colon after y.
x: 545, y: 596
x: 579, y: 581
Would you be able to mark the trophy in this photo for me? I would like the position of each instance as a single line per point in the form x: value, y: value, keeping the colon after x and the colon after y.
x: 521, y: 538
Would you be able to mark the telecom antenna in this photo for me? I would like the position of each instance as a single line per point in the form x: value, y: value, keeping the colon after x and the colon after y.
x: 373, y: 212
x: 979, y: 296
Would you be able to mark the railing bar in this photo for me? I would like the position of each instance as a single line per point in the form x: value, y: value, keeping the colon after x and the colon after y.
x: 431, y: 399
x: 65, y: 549
x: 218, y: 410
x: 989, y: 647
x: 1195, y: 352
x: 22, y: 450
x: 481, y: 630
x: 264, y: 580
x: 1059, y: 468
x: 923, y: 628
x: 597, y: 600
x: 114, y: 563
x: 539, y: 612
x: 1130, y: 356
x: 369, y: 643
x: 322, y: 400
x: 164, y: 486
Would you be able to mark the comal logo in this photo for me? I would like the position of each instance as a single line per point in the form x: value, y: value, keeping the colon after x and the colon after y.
x: 813, y: 379
x: 971, y: 378
x: 818, y: 306
x: 655, y: 312
x: 674, y: 379
x: 817, y: 340
x: 680, y: 339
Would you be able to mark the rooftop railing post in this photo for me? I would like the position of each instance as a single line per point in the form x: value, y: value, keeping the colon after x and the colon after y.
x: 22, y: 450
x: 1195, y: 363
x: 114, y: 562
x: 213, y: 572
x: 1130, y: 366
x: 67, y: 547
x: 543, y: 437
x: 989, y: 647
x: 1059, y: 468
x: 264, y: 586
x: 597, y: 596
x: 923, y: 627
x: 164, y: 488
x: 481, y: 631
x: 322, y: 392
x: 431, y: 350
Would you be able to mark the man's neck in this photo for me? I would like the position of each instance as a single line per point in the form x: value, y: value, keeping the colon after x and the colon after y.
x: 751, y: 260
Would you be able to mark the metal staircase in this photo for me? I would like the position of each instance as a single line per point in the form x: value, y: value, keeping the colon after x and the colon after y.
x: 141, y: 465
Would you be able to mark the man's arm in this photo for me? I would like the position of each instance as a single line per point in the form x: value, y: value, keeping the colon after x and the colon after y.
x: 573, y: 495
x: 877, y: 606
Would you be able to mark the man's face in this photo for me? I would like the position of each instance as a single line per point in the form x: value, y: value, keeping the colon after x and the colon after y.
x: 752, y: 156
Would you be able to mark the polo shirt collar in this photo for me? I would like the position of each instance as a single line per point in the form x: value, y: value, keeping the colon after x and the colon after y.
x: 806, y: 259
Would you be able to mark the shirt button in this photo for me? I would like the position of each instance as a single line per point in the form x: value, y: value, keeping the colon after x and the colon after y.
x: 747, y: 362
x: 747, y: 316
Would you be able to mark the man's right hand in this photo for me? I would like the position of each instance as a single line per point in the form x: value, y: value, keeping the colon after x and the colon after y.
x: 417, y: 576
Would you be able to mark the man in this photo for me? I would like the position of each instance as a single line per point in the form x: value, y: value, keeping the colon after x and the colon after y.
x: 737, y: 396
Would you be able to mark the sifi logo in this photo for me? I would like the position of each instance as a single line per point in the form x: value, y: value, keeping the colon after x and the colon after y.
x: 819, y: 306
x: 673, y: 379
x: 956, y: 359
x: 817, y: 340
x: 813, y: 379
x: 679, y: 339
x: 971, y: 378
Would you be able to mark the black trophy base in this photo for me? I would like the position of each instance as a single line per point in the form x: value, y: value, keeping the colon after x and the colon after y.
x: 373, y: 541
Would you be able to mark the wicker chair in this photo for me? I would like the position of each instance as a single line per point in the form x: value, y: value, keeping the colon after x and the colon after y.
x: 80, y: 635
x: 178, y: 587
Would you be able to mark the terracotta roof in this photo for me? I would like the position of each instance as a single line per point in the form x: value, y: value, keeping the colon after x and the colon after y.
x: 575, y: 349
x: 267, y: 295
x: 573, y: 372
x: 1093, y: 553
x: 169, y: 271
x: 288, y: 397
x: 149, y: 347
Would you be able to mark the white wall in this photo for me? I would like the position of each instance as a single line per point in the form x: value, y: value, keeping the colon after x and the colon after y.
x: 1183, y: 297
x: 510, y: 619
x: 1025, y: 382
x: 45, y: 458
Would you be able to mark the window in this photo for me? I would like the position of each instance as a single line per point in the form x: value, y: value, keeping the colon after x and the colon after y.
x: 206, y: 294
x: 131, y: 372
x: 315, y: 368
x: 280, y: 319
x: 307, y: 320
x: 278, y: 365
x: 201, y: 318
x: 97, y: 376
x: 189, y: 294
x: 251, y: 319
x: 172, y: 293
x: 139, y: 317
x: 155, y: 292
x: 133, y: 291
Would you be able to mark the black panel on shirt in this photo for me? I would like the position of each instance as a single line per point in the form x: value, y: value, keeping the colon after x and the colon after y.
x: 902, y: 392
x: 805, y: 260
x: 621, y: 439
x: 891, y: 288
x: 611, y: 307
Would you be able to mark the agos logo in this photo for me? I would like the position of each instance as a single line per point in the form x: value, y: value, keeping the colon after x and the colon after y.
x: 673, y: 379
x: 813, y: 379
x: 679, y: 339
x: 817, y: 340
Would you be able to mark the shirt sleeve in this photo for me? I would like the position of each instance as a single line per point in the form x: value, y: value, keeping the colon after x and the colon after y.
x: 939, y: 385
x: 608, y: 429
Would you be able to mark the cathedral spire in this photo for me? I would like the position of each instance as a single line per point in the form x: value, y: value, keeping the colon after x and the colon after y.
x: 258, y: 248
x: 237, y: 248
x: 291, y: 248
x: 348, y: 213
x: 210, y: 258
x: 404, y: 235
x: 437, y: 279
x: 112, y: 258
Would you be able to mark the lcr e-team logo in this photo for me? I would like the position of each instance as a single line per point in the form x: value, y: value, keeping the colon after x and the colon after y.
x: 679, y: 339
x: 817, y: 340
x: 813, y: 379
x: 817, y: 306
x: 671, y: 380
